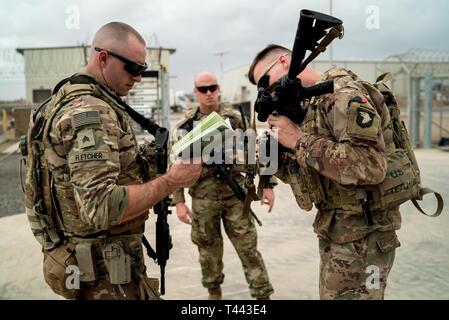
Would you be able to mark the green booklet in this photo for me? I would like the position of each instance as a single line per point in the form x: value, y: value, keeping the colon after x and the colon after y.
x: 201, y: 135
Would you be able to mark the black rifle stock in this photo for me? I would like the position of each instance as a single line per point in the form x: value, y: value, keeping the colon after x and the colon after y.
x: 288, y: 92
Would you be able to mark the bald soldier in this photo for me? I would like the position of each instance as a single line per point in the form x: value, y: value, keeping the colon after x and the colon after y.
x: 338, y: 151
x: 214, y: 201
x: 100, y: 195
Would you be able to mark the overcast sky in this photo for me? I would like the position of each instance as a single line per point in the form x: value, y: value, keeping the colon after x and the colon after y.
x: 198, y: 29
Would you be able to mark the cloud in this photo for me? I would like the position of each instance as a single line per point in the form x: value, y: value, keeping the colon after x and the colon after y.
x: 198, y: 29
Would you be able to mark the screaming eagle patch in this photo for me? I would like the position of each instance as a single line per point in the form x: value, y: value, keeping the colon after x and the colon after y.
x: 365, y: 118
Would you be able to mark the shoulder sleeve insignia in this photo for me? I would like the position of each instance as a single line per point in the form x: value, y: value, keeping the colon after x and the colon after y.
x: 85, y: 118
x: 363, y: 121
x: 364, y: 118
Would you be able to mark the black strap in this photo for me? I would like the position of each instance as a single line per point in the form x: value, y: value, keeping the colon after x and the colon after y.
x: 145, y: 123
x: 243, y: 116
x: 150, y: 251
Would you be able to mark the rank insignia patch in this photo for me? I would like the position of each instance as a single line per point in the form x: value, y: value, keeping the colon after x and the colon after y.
x: 86, y: 138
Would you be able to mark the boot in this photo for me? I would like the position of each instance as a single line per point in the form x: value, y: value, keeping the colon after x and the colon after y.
x: 214, y: 293
x: 263, y: 298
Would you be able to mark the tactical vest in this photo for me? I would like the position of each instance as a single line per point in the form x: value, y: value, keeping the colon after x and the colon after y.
x: 51, y: 210
x: 402, y: 181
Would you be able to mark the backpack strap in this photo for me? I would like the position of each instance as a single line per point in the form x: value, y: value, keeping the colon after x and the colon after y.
x: 439, y: 198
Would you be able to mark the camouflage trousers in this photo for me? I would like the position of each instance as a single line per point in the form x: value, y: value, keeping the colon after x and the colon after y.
x: 358, y: 269
x: 137, y: 289
x: 206, y: 234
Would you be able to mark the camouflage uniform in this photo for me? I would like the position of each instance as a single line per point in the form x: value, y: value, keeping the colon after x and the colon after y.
x: 92, y: 156
x: 214, y: 201
x: 346, y: 141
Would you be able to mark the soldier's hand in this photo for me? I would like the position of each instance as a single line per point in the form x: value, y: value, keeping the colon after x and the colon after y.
x: 183, y: 174
x: 183, y: 212
x: 288, y: 133
x: 268, y: 198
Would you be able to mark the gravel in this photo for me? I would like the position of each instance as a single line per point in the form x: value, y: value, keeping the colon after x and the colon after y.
x: 11, y: 196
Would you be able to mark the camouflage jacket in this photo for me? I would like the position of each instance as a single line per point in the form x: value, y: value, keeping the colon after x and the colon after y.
x: 92, y: 158
x: 209, y: 186
x: 347, y: 136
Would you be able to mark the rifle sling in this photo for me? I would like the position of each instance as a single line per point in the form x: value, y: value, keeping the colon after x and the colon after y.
x: 440, y: 202
x: 150, y: 251
x: 335, y: 32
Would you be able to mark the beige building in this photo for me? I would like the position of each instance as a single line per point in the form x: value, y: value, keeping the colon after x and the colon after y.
x: 45, y: 67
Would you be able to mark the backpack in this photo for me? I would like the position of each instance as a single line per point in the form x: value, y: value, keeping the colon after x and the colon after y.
x: 403, y: 180
x: 40, y: 208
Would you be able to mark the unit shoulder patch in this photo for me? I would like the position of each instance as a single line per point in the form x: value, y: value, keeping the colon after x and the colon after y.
x: 364, y: 118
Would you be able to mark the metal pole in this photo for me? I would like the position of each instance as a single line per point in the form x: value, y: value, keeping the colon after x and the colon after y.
x: 409, y: 105
x: 428, y: 111
x: 165, y: 97
x: 415, y: 134
x: 331, y: 53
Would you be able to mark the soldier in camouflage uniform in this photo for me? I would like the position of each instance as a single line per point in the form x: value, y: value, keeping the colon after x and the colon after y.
x: 343, y: 141
x: 98, y: 188
x: 214, y: 201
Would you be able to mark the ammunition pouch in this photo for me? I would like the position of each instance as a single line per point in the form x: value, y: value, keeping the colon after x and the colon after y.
x: 401, y: 184
x: 304, y: 182
x: 147, y: 153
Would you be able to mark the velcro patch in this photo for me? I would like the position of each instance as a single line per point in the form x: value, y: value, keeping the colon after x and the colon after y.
x: 365, y: 118
x: 89, y: 156
x: 86, y: 138
x: 85, y: 118
x: 363, y: 122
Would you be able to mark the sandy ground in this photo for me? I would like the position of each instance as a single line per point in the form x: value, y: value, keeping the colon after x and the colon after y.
x: 286, y: 241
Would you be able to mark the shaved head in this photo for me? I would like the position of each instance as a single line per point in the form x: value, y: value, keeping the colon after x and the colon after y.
x: 115, y: 47
x: 114, y: 35
x: 204, y: 76
x: 208, y: 100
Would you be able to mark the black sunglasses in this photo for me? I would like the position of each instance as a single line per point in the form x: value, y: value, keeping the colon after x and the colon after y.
x: 132, y: 67
x: 204, y: 89
x: 264, y: 83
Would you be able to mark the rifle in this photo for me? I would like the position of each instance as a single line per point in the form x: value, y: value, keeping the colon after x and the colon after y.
x: 222, y: 172
x: 288, y: 91
x: 163, y: 238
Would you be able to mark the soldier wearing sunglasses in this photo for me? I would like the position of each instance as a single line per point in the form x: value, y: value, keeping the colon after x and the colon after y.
x: 99, y: 189
x: 214, y: 201
x: 341, y: 144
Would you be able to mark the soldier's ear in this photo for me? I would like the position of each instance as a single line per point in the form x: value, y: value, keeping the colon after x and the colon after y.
x: 102, y: 58
x: 284, y: 60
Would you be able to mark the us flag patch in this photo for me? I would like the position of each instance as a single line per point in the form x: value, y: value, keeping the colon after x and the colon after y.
x: 85, y: 118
